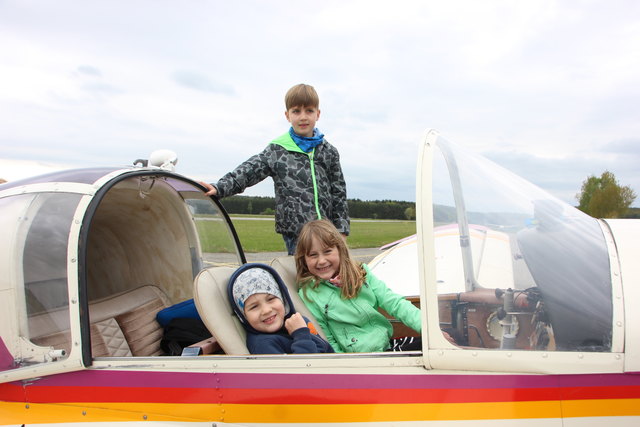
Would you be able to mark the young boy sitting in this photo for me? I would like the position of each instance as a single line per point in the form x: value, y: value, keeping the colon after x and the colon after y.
x: 262, y: 303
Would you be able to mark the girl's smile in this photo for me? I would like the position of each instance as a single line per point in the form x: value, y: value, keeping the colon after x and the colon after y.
x: 322, y: 261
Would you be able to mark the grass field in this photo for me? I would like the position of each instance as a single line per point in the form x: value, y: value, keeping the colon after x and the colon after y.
x: 260, y: 236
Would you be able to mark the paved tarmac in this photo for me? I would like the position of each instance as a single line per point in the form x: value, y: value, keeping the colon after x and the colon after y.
x: 362, y: 255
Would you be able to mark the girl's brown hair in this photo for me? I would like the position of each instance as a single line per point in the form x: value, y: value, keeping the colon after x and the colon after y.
x: 352, y: 274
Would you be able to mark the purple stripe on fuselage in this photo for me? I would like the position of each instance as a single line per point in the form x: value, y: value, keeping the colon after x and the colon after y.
x: 6, y: 359
x: 105, y: 378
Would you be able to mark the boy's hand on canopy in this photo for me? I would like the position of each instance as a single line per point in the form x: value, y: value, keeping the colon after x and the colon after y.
x: 211, y: 190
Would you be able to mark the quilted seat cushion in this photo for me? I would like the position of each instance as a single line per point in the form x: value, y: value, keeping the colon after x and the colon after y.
x: 107, y: 339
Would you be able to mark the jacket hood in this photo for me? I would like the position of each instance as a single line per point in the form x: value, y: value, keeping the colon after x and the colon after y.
x: 286, y: 142
x: 234, y: 283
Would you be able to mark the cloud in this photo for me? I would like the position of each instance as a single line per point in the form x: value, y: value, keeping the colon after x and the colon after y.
x: 626, y: 146
x: 563, y: 176
x: 197, y: 81
x: 89, y: 70
x: 13, y: 170
x: 548, y: 89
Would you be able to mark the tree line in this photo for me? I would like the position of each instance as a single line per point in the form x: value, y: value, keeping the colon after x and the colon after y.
x: 376, y: 209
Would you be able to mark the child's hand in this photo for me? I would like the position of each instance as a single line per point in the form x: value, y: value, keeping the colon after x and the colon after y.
x: 211, y: 190
x: 295, y: 322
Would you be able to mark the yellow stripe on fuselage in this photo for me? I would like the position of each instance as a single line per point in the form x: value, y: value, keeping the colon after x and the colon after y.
x: 600, y: 408
x: 17, y: 413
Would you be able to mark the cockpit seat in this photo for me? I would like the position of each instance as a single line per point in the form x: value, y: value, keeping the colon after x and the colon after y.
x: 122, y: 325
x: 210, y: 295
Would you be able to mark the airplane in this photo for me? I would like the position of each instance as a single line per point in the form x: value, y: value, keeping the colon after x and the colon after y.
x: 539, y: 298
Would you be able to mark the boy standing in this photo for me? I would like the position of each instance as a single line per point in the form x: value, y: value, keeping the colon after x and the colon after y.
x: 306, y: 171
x: 263, y: 305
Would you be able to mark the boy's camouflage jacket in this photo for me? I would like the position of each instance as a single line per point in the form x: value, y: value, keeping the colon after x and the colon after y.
x: 307, y: 186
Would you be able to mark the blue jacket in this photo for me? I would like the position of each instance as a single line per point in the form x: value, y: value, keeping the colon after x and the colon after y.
x: 304, y: 340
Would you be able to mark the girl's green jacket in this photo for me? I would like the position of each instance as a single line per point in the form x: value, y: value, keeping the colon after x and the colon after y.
x: 356, y: 325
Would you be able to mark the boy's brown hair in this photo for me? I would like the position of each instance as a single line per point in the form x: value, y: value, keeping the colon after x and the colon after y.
x: 352, y: 274
x: 301, y: 95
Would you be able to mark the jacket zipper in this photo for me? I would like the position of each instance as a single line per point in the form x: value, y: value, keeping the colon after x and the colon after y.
x: 315, y: 184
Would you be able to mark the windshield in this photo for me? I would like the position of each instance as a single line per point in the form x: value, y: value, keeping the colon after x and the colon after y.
x: 494, y: 230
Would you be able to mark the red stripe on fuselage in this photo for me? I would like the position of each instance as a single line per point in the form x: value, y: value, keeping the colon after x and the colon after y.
x: 51, y: 394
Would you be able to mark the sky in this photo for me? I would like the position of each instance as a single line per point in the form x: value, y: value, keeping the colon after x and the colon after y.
x: 548, y: 89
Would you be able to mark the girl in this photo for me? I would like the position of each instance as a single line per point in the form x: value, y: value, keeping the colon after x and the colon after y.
x: 344, y: 296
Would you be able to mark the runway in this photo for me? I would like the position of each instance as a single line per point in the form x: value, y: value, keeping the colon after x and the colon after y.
x: 362, y: 255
